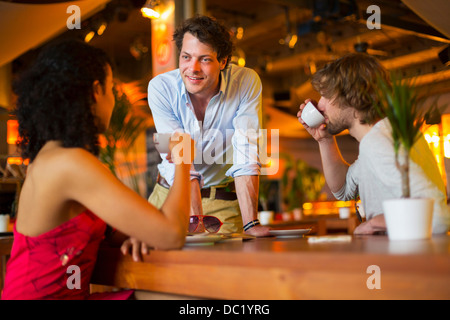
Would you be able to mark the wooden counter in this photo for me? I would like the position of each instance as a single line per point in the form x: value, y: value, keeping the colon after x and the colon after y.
x: 320, y: 224
x: 6, y: 241
x: 291, y: 268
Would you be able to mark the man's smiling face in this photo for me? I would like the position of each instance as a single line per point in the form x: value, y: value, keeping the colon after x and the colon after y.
x: 199, y: 67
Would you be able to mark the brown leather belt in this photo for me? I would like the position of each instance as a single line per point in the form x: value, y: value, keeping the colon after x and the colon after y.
x: 223, y: 193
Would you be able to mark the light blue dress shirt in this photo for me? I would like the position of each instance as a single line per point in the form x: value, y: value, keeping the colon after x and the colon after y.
x: 227, y: 141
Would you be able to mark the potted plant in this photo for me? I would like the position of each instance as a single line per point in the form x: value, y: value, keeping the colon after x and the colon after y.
x: 406, y: 218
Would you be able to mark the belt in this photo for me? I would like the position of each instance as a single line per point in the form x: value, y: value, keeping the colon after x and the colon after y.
x: 222, y: 193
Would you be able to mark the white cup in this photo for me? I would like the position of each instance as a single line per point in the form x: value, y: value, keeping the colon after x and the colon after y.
x: 297, y: 213
x: 4, y: 222
x: 344, y: 213
x: 311, y: 116
x: 286, y: 216
x: 161, y: 141
x: 265, y: 217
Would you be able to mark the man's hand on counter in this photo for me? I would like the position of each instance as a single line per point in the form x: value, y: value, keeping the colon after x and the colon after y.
x: 258, y: 231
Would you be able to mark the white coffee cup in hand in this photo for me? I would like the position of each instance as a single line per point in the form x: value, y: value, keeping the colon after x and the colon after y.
x: 311, y: 116
x: 162, y: 141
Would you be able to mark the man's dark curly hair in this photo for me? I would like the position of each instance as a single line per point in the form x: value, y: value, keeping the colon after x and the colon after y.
x: 208, y: 31
x: 55, y: 97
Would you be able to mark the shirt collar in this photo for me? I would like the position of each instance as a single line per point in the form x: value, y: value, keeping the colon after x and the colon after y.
x: 223, y: 81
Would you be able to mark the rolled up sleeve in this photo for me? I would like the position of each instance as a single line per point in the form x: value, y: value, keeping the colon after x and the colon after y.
x: 350, y: 188
x: 247, y: 124
x: 166, y: 121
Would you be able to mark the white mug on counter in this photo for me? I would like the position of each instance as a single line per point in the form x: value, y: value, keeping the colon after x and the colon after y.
x: 311, y: 116
x: 265, y: 217
x: 344, y: 213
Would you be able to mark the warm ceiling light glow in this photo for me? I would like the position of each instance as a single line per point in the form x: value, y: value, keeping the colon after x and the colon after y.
x: 101, y: 29
x: 342, y: 204
x: 15, y: 160
x: 437, y: 138
x: 167, y: 10
x: 89, y: 36
x: 102, y: 141
x: 308, y: 206
x: 239, y: 33
x: 447, y: 146
x: 312, y: 67
x: 151, y: 9
x: 12, y: 131
x: 150, y: 13
x: 293, y: 41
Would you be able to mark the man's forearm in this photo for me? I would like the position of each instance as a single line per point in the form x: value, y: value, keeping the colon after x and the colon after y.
x: 247, y: 188
x: 196, y: 198
x: 334, y: 166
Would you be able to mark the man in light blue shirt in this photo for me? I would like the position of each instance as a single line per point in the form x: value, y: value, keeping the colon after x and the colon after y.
x: 219, y: 105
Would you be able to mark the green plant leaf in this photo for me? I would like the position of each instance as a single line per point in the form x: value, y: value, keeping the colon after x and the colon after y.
x: 398, y: 101
x: 126, y: 125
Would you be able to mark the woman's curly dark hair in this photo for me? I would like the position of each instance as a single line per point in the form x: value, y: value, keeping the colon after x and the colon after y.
x: 55, y: 97
x: 209, y: 31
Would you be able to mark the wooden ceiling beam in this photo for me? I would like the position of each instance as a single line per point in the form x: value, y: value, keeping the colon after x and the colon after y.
x: 320, y: 54
x: 432, y: 78
x: 412, y: 59
x: 259, y: 30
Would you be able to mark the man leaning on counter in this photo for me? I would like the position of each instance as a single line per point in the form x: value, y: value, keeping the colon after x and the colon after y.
x: 218, y: 104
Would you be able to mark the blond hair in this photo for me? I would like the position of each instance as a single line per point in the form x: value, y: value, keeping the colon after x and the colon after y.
x: 351, y: 81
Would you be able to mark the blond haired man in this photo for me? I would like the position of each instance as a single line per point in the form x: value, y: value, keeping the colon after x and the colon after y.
x: 347, y: 87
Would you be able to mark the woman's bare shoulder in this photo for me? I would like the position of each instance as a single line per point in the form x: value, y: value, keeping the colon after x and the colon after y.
x: 64, y: 163
x: 59, y: 156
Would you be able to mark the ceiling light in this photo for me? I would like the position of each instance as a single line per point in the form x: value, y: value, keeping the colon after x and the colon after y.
x: 101, y: 29
x: 239, y: 33
x: 89, y: 36
x: 238, y: 57
x: 150, y: 9
x: 293, y: 41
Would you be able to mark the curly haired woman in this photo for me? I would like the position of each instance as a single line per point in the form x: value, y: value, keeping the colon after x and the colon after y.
x: 64, y: 101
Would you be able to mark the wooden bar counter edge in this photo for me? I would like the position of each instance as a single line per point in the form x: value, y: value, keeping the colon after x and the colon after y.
x: 365, y: 267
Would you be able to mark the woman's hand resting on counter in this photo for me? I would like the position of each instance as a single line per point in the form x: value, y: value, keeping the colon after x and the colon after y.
x: 135, y: 247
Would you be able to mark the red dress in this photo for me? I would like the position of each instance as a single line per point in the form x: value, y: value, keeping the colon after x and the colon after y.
x: 57, y: 264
